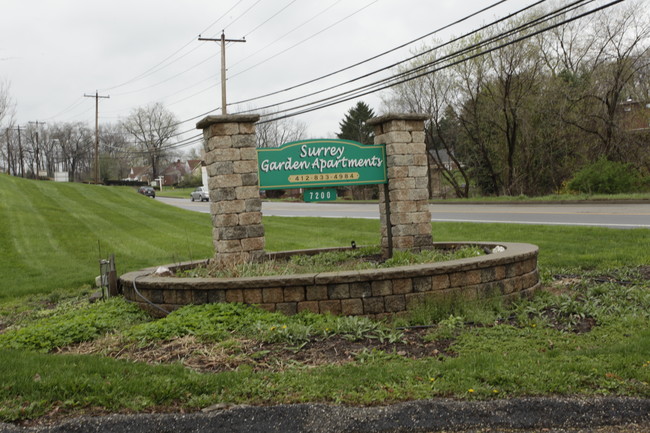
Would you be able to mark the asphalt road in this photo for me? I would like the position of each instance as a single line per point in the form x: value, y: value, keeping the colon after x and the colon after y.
x: 623, y: 216
x: 518, y: 415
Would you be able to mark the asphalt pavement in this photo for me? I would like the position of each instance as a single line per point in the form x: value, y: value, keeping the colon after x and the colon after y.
x: 621, y: 215
x: 524, y: 415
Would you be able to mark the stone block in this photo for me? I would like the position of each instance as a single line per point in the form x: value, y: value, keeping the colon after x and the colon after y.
x: 415, y: 300
x: 253, y: 205
x: 393, y: 125
x: 351, y: 307
x: 218, y: 142
x: 418, y: 136
x: 243, y: 140
x: 225, y: 220
x: 440, y: 282
x: 311, y: 306
x: 220, y: 167
x: 247, y: 192
x: 338, y: 291
x: 247, y: 128
x: 403, y: 242
x: 288, y: 308
x: 248, y: 154
x: 360, y: 290
x: 294, y: 294
x: 401, y: 184
x: 199, y: 297
x: 422, y: 284
x: 466, y: 278
x: 230, y: 233
x: 254, y: 231
x: 272, y: 295
x: 396, y: 137
x: 225, y: 181
x: 247, y: 166
x: 252, y: 296
x: 215, y: 296
x: 252, y: 244
x: 382, y: 287
x: 234, y: 295
x: 231, y: 206
x: 374, y: 305
x: 395, y: 303
x: 222, y: 194
x: 249, y: 179
x: 333, y: 307
x: 223, y: 129
x: 222, y: 155
x: 398, y: 172
x: 316, y: 293
x: 414, y: 125
x: 402, y: 286
x: 268, y: 307
x: 227, y: 246
x: 400, y: 161
x: 250, y: 218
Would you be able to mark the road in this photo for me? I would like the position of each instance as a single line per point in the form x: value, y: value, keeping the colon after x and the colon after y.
x: 623, y: 216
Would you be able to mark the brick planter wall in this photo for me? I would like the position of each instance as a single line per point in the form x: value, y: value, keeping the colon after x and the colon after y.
x: 376, y: 292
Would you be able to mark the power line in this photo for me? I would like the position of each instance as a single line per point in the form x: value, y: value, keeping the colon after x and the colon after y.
x: 306, y: 39
x: 343, y: 98
x: 445, y: 27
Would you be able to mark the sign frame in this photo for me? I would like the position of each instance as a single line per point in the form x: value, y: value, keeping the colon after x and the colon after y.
x: 321, y: 163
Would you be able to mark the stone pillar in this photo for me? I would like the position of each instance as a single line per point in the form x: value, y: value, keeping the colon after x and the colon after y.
x: 235, y: 205
x: 404, y: 201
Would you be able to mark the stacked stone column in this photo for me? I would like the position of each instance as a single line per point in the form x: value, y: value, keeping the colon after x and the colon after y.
x: 236, y: 208
x: 404, y: 213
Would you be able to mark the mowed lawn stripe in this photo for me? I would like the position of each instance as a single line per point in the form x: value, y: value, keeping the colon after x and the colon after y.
x: 52, y: 233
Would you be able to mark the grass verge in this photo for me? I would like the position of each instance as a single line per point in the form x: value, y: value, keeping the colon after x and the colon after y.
x: 589, y: 335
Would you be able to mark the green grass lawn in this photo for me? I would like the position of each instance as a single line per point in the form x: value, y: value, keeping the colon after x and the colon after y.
x: 52, y: 236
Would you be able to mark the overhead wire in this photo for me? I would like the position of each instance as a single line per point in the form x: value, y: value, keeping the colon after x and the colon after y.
x: 438, y: 30
x: 393, y: 64
x: 306, y: 39
x: 343, y: 98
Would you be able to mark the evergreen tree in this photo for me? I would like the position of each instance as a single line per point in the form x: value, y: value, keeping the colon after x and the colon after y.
x: 354, y: 127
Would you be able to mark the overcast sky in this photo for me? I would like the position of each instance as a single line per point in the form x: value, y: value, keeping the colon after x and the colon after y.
x: 144, y: 51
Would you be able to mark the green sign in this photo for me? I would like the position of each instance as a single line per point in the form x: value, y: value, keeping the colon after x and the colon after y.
x: 323, y: 162
x: 311, y: 195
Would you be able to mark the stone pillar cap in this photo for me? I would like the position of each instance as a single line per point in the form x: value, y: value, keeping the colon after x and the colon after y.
x: 397, y: 116
x: 227, y: 118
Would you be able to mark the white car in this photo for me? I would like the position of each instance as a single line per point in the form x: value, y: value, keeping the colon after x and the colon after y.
x: 201, y: 193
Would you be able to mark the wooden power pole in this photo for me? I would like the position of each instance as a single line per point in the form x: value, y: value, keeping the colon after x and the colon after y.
x: 223, y: 41
x: 96, y: 96
x: 36, y: 152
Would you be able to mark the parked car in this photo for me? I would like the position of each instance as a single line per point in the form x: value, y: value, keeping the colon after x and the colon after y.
x: 148, y: 191
x: 201, y: 193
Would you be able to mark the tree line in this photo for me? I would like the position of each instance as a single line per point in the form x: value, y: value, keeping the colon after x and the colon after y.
x: 525, y: 118
x: 39, y: 149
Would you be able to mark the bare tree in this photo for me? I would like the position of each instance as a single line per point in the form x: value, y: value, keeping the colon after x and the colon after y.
x: 7, y: 111
x: 278, y: 132
x: 76, y: 143
x: 153, y: 127
x: 434, y: 94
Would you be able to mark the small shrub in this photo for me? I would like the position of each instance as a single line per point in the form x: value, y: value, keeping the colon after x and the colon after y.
x: 606, y: 177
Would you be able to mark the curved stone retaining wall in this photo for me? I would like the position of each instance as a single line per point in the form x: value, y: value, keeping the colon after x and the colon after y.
x: 375, y: 292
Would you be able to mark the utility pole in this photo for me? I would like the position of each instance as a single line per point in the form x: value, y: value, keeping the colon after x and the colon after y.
x: 96, y: 96
x: 20, y: 154
x: 37, y: 147
x: 8, y: 153
x: 223, y: 41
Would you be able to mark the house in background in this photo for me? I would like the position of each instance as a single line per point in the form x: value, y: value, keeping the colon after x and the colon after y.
x: 175, y: 172
x: 139, y: 174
